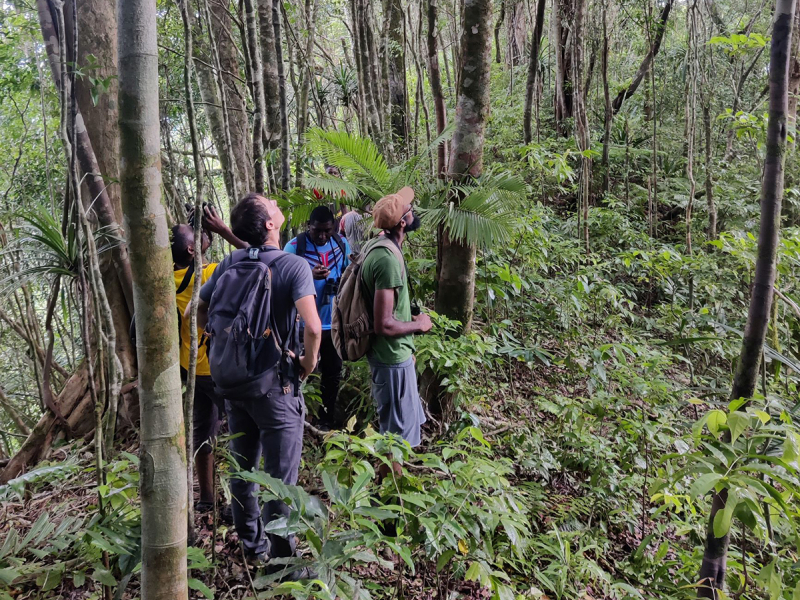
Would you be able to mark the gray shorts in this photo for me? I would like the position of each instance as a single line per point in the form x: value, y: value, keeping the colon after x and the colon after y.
x: 394, y: 389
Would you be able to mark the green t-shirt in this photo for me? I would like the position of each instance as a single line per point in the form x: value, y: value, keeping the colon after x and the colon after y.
x: 382, y: 271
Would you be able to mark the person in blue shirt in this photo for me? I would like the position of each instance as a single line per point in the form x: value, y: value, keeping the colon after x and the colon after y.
x: 328, y: 255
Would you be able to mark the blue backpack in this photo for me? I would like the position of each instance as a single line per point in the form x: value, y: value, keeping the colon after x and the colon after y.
x: 247, y: 356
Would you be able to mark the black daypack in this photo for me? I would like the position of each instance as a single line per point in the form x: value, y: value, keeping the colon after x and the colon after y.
x: 246, y: 355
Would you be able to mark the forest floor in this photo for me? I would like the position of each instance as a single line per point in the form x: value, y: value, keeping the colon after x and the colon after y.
x: 569, y: 469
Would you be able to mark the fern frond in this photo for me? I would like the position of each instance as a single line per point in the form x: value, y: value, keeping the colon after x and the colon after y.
x: 359, y: 155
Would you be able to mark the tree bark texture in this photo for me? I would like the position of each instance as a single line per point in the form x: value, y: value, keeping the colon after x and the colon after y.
x: 563, y: 17
x: 259, y: 106
x: 162, y: 446
x: 435, y: 77
x: 794, y: 75
x: 396, y: 60
x: 238, y: 159
x: 609, y: 113
x: 498, y: 26
x: 709, y: 182
x: 269, y: 63
x: 533, y: 70
x: 456, y: 277
x: 282, y: 106
x: 97, y: 19
x: 366, y: 78
x: 647, y: 61
x: 516, y: 32
x: 712, y: 570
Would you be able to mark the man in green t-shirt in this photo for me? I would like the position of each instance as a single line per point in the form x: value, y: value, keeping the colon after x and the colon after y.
x: 394, y: 378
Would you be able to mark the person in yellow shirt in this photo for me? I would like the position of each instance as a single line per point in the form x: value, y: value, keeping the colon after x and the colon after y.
x: 208, y: 407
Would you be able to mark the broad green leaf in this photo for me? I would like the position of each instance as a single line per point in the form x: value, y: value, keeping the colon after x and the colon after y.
x: 79, y: 578
x: 722, y: 520
x: 704, y: 484
x: 716, y: 419
x: 199, y: 586
x: 7, y: 576
x: 444, y: 559
x: 737, y: 422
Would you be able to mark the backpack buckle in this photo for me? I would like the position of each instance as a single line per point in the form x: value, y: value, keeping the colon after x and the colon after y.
x: 286, y: 389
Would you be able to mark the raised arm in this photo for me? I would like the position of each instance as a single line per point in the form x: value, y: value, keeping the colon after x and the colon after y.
x: 213, y: 223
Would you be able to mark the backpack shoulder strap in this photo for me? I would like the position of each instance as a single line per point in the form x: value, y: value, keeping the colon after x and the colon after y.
x: 340, y: 242
x: 383, y: 242
x: 186, y: 279
x: 301, y: 244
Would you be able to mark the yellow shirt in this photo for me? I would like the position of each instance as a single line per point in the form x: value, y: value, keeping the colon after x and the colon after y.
x: 182, y: 300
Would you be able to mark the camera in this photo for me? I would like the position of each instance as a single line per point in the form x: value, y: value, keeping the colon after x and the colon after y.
x: 330, y: 290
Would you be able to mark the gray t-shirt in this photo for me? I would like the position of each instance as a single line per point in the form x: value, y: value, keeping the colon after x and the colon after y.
x: 291, y: 280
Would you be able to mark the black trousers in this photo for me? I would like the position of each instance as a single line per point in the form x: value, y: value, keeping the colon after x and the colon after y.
x: 330, y: 369
x: 271, y: 426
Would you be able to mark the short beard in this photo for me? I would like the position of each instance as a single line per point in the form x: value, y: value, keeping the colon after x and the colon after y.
x: 414, y: 225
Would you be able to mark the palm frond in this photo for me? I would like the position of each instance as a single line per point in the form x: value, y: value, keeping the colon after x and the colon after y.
x: 351, y: 152
x: 482, y: 213
x: 409, y: 168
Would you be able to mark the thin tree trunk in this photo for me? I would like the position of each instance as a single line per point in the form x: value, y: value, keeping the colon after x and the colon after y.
x: 581, y: 118
x: 259, y: 102
x: 609, y: 113
x: 396, y: 61
x: 162, y: 446
x: 436, y: 85
x: 691, y: 115
x: 498, y: 57
x: 188, y: 401
x: 712, y: 208
x: 647, y: 61
x: 713, y: 568
x: 794, y: 77
x: 533, y: 70
x: 269, y: 63
x: 284, y: 114
x: 306, y: 73
x: 563, y: 16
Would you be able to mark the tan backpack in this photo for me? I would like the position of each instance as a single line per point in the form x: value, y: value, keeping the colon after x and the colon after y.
x: 351, y: 323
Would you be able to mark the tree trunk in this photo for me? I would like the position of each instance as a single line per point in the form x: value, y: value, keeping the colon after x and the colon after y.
x: 533, y: 70
x: 284, y: 115
x: 712, y: 208
x: 516, y: 31
x: 306, y: 78
x: 256, y: 72
x: 74, y: 396
x: 162, y: 448
x: 498, y: 57
x: 609, y: 113
x: 581, y: 118
x: 435, y: 77
x: 226, y: 102
x: 563, y: 17
x: 97, y: 21
x: 712, y: 570
x: 397, y: 74
x: 647, y: 61
x: 367, y: 83
x: 794, y: 76
x: 456, y: 277
x: 269, y: 63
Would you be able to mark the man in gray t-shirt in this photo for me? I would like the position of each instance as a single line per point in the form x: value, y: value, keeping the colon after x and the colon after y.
x: 270, y: 425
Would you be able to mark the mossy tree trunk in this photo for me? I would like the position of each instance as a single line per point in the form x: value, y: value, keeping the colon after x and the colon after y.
x: 456, y: 276
x: 713, y: 568
x: 162, y: 451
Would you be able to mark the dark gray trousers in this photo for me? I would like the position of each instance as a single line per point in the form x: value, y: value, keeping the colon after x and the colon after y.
x: 272, y: 426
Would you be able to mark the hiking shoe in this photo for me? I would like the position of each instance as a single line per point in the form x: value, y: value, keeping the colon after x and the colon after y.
x: 300, y: 574
x: 203, y: 507
x: 257, y: 560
